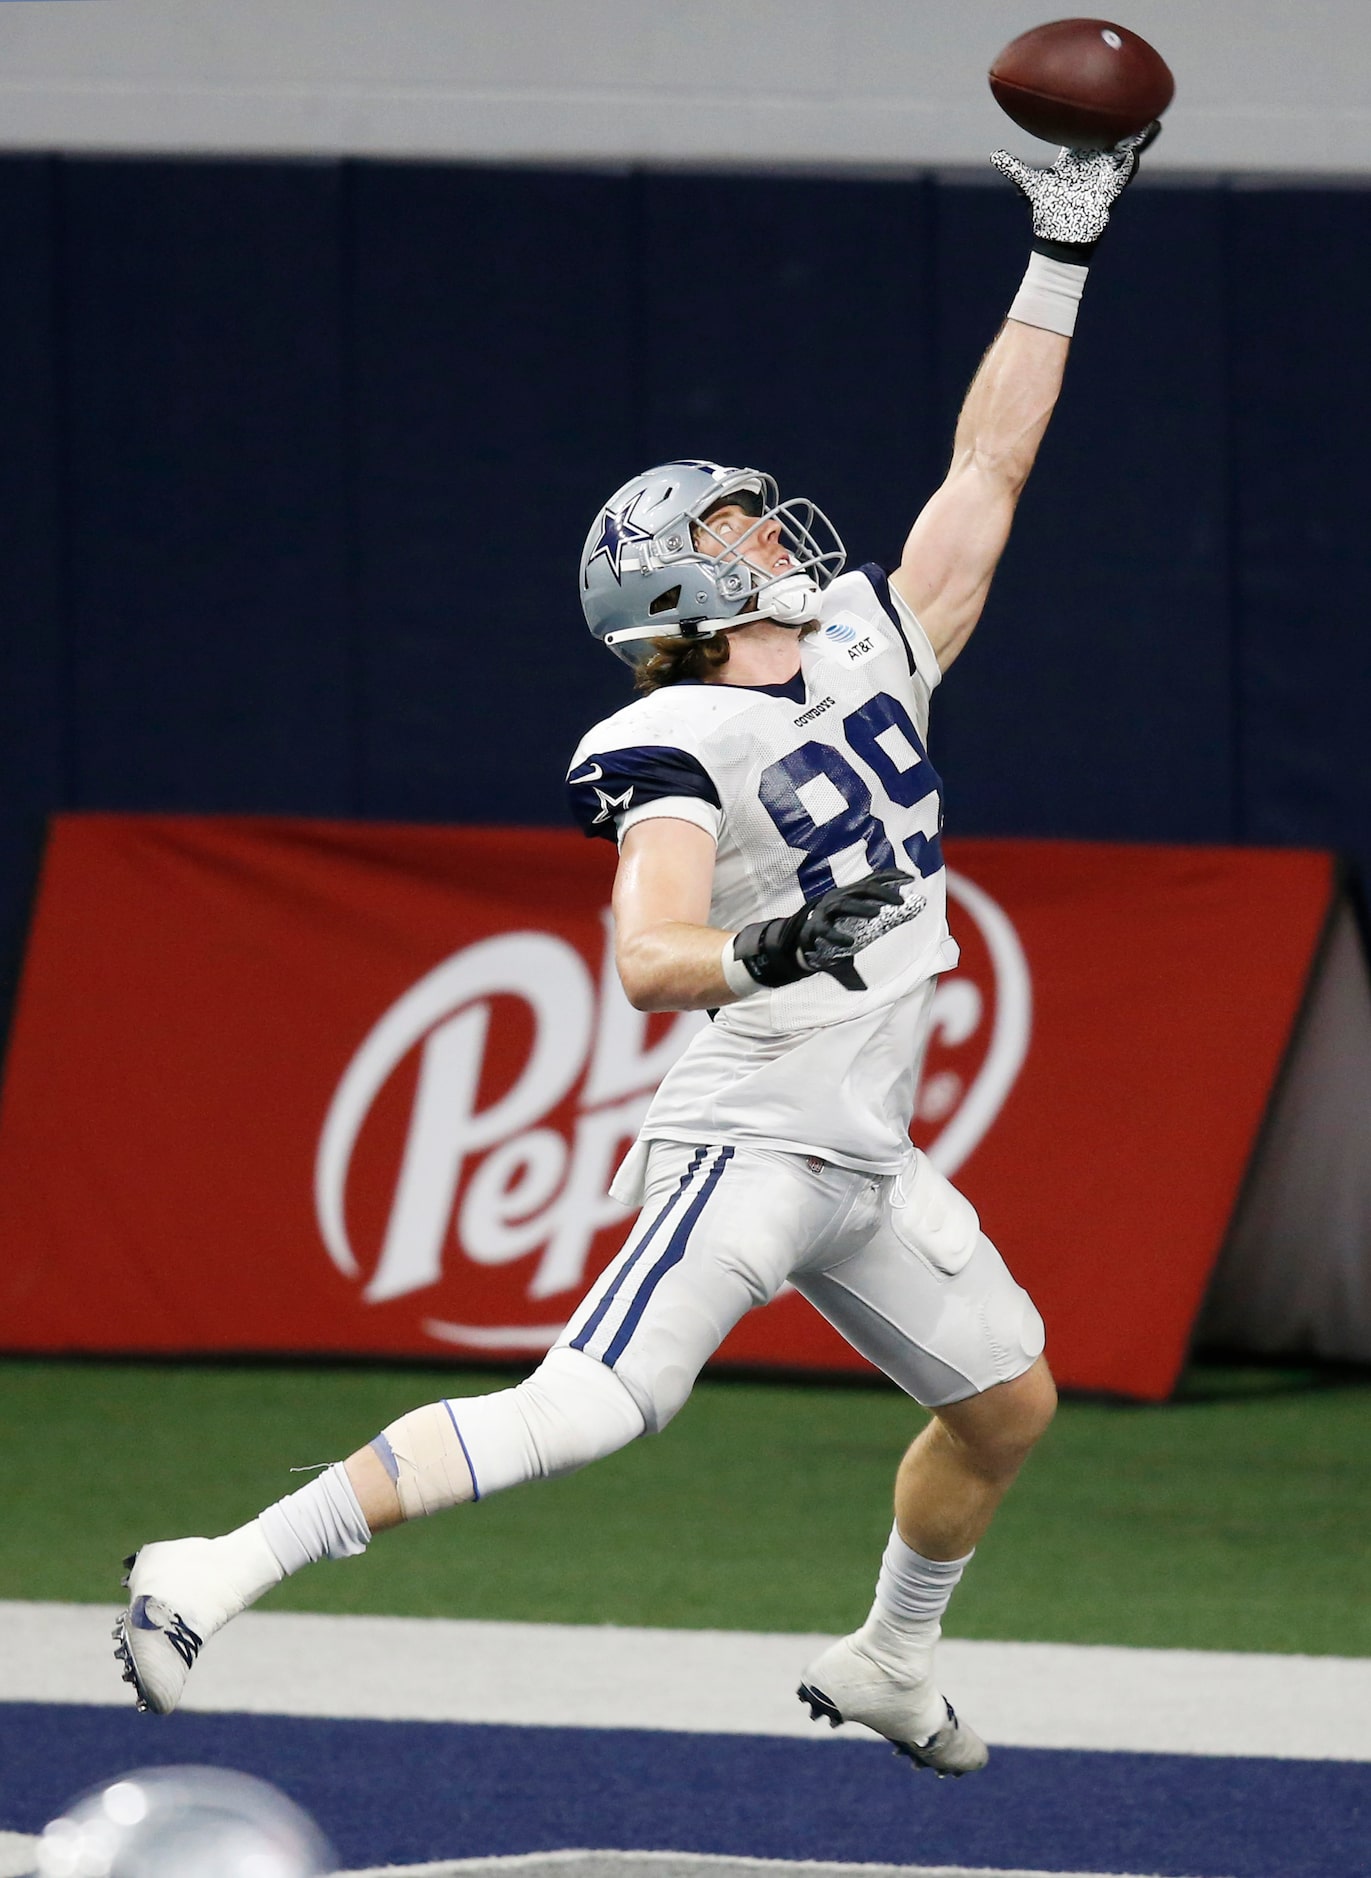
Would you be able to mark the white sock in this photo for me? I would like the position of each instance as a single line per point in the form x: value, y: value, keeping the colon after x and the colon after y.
x: 249, y: 1567
x: 322, y: 1520
x: 912, y: 1592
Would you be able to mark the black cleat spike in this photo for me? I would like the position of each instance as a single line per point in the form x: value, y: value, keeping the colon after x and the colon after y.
x: 820, y: 1707
x: 914, y: 1751
x: 913, y: 1754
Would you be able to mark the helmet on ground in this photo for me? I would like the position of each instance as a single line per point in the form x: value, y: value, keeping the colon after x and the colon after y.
x: 183, y: 1822
x: 652, y: 568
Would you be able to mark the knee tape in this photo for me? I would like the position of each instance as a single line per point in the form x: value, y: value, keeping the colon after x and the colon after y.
x: 571, y: 1411
x: 423, y: 1455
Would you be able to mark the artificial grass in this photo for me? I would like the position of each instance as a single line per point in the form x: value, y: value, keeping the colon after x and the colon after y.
x: 1233, y: 1519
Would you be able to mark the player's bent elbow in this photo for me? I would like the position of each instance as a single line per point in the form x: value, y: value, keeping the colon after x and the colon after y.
x: 643, y: 997
x: 654, y: 998
x: 650, y: 990
x: 641, y: 982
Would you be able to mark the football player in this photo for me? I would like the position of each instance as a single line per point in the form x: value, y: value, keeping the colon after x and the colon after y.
x: 778, y: 824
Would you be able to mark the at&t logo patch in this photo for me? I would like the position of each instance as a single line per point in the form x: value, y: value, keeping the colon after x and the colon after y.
x: 853, y: 644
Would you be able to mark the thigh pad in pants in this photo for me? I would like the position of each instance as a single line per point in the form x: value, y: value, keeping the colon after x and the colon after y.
x: 924, y: 1295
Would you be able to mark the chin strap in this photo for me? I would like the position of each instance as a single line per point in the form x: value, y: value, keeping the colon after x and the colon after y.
x: 789, y: 601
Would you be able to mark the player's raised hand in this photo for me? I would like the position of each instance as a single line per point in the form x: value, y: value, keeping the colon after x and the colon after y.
x: 1071, y: 200
x: 828, y: 930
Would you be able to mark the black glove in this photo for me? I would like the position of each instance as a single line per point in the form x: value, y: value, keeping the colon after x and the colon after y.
x: 827, y: 930
x: 1071, y: 200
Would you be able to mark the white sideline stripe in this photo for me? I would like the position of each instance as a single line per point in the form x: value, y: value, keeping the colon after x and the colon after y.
x: 18, y: 1852
x: 1041, y: 1695
x: 701, y: 1862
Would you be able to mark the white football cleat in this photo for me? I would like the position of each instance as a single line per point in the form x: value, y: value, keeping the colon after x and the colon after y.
x: 181, y: 1592
x: 844, y: 1684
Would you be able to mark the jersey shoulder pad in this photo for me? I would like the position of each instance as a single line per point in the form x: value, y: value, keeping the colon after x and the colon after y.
x: 682, y: 715
x: 639, y: 755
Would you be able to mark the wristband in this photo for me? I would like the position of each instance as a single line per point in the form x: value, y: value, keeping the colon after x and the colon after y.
x: 736, y: 975
x: 1050, y: 294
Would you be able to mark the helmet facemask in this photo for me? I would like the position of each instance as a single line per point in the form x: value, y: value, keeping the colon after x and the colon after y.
x: 808, y: 537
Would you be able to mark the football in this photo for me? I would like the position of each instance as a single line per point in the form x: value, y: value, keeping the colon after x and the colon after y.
x: 1084, y: 83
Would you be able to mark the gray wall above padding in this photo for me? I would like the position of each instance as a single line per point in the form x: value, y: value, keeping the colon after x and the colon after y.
x: 1262, y: 85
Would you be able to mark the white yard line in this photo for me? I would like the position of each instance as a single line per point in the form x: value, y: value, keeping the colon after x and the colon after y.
x: 1041, y: 1695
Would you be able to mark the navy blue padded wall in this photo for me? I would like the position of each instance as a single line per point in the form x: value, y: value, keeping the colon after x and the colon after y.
x: 790, y: 325
x: 1302, y: 404
x: 497, y: 389
x: 33, y: 726
x: 1096, y: 697
x: 205, y: 521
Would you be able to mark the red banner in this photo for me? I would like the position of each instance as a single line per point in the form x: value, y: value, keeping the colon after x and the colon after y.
x: 302, y: 1086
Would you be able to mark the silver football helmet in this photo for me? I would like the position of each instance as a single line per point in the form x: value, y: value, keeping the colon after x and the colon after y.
x: 652, y: 568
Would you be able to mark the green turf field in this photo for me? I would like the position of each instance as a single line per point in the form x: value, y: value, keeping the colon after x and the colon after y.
x: 1235, y: 1518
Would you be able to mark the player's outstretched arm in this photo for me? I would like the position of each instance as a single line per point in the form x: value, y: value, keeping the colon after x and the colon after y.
x: 955, y: 545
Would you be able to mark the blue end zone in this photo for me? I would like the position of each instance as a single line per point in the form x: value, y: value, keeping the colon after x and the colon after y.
x: 404, y: 1792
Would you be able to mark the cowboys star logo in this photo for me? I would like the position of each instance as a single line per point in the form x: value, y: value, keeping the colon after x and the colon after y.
x: 612, y: 805
x: 617, y: 530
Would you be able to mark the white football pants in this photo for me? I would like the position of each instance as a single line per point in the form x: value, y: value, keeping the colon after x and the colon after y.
x: 896, y: 1263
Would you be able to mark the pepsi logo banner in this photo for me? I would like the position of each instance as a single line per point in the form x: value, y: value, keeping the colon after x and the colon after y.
x: 317, y: 1087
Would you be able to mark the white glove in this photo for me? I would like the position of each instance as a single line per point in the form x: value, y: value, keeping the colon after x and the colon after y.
x: 1071, y: 200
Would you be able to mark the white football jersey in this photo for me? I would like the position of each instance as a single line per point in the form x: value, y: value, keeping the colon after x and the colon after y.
x: 802, y: 786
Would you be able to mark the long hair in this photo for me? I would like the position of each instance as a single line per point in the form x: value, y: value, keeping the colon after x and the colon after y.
x: 672, y: 660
